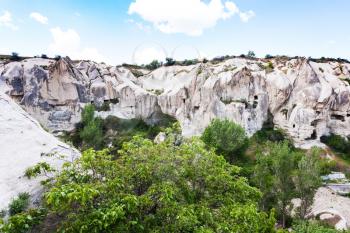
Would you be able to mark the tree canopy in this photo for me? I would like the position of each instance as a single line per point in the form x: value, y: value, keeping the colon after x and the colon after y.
x: 155, y: 188
x: 226, y: 137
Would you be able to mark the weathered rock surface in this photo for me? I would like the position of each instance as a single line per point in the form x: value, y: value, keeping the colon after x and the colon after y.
x: 332, y: 208
x: 22, y: 144
x: 305, y: 98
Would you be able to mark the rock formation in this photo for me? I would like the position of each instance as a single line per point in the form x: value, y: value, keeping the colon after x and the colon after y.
x: 305, y: 98
x: 23, y: 144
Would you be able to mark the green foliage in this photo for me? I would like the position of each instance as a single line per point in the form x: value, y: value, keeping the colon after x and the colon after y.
x: 105, y: 107
x: 269, y: 134
x: 312, y: 227
x: 269, y: 67
x: 112, y: 132
x: 155, y: 64
x: 283, y: 173
x: 189, y: 62
x: 337, y: 143
x: 226, y: 137
x: 274, y: 177
x: 57, y: 57
x: 19, y: 204
x: 14, y: 57
x: 23, y: 222
x: 38, y: 169
x: 307, y: 180
x: 327, y: 166
x: 169, y: 61
x: 156, y: 188
x: 251, y: 54
x: 91, y: 134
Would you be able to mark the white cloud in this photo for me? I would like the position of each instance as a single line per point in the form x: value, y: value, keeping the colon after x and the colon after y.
x: 147, y: 55
x: 191, y: 17
x: 67, y: 43
x: 246, y: 16
x: 39, y: 17
x: 139, y: 25
x: 6, y: 21
x: 91, y: 54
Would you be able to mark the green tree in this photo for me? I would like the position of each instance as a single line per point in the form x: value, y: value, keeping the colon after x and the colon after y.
x: 274, y: 176
x: 92, y: 131
x: 155, y: 64
x: 170, y: 61
x: 307, y: 180
x: 155, y: 188
x: 226, y: 137
x: 251, y: 54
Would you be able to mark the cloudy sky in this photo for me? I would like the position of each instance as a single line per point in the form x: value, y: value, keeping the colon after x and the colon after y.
x: 138, y: 31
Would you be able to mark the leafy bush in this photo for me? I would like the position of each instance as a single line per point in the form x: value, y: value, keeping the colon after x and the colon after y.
x: 19, y: 204
x: 169, y: 61
x: 57, y: 57
x: 97, y: 133
x: 337, y: 143
x: 251, y: 54
x: 155, y: 64
x: 226, y: 137
x: 269, y: 134
x: 91, y: 134
x: 44, y: 56
x: 105, y: 107
x: 156, y: 188
x: 14, y: 57
x: 312, y: 227
x: 23, y: 222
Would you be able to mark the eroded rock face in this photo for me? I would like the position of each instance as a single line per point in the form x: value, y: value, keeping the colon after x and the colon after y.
x: 306, y: 99
x: 23, y: 144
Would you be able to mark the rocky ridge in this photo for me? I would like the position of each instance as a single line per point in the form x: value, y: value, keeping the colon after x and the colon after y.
x: 305, y: 98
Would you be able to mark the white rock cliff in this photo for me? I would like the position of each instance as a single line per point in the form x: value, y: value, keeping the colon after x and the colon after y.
x: 307, y: 99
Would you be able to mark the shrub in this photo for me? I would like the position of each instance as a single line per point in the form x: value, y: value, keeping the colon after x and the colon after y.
x: 269, y: 134
x: 44, y: 56
x: 105, y: 107
x: 19, y: 204
x: 314, y: 227
x: 91, y: 134
x: 23, y: 222
x: 14, y: 57
x: 251, y: 54
x: 337, y: 143
x: 155, y: 64
x: 156, y: 188
x: 169, y: 61
x: 226, y: 137
x: 57, y: 57
x: 94, y: 132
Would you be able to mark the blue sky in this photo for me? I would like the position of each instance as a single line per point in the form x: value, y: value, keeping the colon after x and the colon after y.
x: 140, y: 30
